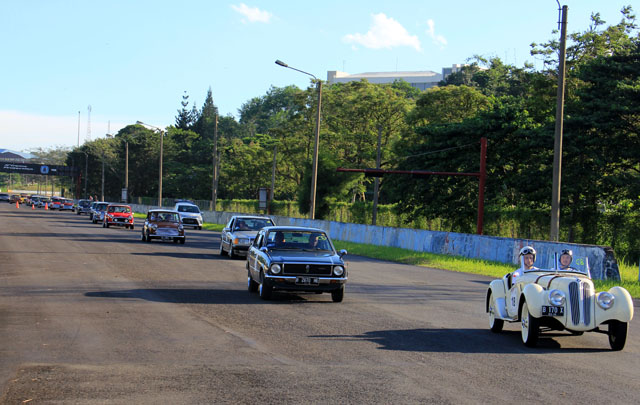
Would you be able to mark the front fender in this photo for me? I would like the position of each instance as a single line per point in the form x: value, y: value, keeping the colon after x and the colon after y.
x: 498, y: 290
x: 622, y: 309
x: 534, y: 295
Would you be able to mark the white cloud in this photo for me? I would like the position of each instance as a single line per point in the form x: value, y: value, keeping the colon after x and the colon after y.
x: 437, y: 39
x: 252, y: 14
x: 23, y: 131
x: 385, y: 32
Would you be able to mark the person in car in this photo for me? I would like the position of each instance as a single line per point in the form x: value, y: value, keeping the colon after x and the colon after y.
x: 566, y: 257
x: 279, y: 239
x: 527, y: 259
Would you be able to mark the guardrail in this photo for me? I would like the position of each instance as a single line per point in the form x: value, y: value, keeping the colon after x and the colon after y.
x: 602, y: 260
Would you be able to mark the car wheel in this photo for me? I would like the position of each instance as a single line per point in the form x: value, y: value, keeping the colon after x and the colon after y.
x: 252, y: 286
x: 148, y: 238
x: 143, y: 237
x: 199, y: 228
x: 132, y: 227
x: 338, y: 295
x: 530, y: 327
x: 495, y: 324
x: 231, y: 254
x: 617, y: 335
x: 108, y: 224
x: 221, y: 249
x: 183, y: 240
x: 264, y: 289
x: 104, y: 224
x: 175, y: 240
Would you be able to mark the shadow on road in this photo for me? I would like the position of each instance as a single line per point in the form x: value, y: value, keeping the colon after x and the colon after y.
x: 458, y: 341
x: 180, y: 295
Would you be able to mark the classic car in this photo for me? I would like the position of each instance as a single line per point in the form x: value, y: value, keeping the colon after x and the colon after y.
x: 190, y: 214
x: 558, y: 299
x: 238, y: 234
x: 56, y: 203
x: 295, y: 259
x: 83, y: 207
x: 92, y: 208
x: 5, y: 197
x: 67, y: 205
x: 98, y: 212
x: 15, y: 198
x: 118, y: 215
x: 43, y: 202
x: 164, y: 225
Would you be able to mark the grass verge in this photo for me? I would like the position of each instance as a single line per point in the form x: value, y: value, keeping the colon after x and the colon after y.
x: 628, y: 273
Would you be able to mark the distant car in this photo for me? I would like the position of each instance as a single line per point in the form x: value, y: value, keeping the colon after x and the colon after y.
x: 295, y: 259
x: 118, y: 215
x: 67, y: 205
x: 15, y: 198
x: 92, y: 208
x: 4, y: 197
x: 190, y: 214
x: 83, y: 207
x: 239, y: 233
x: 99, y: 210
x: 42, y: 201
x: 56, y: 203
x: 554, y: 299
x: 164, y: 225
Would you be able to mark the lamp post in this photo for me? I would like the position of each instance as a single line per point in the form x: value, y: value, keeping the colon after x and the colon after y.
x: 161, y: 152
x: 314, y: 174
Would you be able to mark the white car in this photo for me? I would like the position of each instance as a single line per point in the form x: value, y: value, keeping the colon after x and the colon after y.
x: 554, y: 299
x: 238, y: 234
x: 190, y: 214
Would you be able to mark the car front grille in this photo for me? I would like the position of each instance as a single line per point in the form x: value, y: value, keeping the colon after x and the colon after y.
x: 580, y: 296
x: 190, y: 221
x: 307, y: 269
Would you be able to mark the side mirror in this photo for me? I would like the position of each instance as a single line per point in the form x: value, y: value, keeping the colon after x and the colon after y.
x: 264, y: 249
x: 225, y: 230
x: 342, y: 253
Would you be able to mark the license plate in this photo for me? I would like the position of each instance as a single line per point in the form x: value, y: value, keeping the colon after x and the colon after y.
x: 548, y: 310
x: 166, y: 238
x: 303, y: 280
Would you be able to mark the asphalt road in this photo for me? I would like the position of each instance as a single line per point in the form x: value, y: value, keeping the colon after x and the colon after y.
x: 91, y: 315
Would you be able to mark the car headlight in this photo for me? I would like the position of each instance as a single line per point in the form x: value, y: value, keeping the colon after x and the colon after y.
x: 338, y: 270
x: 556, y: 298
x: 154, y: 226
x: 605, y: 300
x: 275, y: 269
x: 241, y: 241
x: 180, y: 228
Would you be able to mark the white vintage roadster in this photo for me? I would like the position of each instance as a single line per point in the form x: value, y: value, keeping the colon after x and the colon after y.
x: 555, y: 299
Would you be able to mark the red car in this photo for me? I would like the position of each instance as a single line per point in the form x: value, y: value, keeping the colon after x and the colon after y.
x: 118, y: 215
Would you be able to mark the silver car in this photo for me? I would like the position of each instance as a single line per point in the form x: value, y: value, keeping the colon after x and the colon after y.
x: 239, y: 233
x: 190, y: 214
x: 98, y: 212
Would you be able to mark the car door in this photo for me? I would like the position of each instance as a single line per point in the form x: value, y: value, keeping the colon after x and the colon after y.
x: 252, y: 255
x: 226, y: 234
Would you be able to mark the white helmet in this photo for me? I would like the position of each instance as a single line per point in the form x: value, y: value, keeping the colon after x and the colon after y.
x: 528, y: 250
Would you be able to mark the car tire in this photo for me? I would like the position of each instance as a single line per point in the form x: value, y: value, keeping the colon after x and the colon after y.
x: 617, y: 334
x: 175, y: 240
x: 148, y: 238
x: 143, y: 237
x: 264, y: 289
x: 183, y: 240
x: 252, y: 286
x: 107, y: 224
x: 495, y: 324
x: 530, y: 327
x: 221, y: 252
x: 231, y: 254
x: 338, y: 295
x: 132, y: 227
x: 200, y: 227
x: 104, y: 224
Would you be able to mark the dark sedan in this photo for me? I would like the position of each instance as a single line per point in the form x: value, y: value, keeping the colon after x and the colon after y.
x: 295, y: 259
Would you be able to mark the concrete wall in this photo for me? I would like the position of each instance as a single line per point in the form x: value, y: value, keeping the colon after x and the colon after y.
x: 602, y: 262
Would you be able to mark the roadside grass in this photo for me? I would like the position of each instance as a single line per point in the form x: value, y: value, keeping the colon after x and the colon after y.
x: 628, y: 273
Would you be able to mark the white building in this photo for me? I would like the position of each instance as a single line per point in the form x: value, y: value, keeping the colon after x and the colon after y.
x: 420, y: 80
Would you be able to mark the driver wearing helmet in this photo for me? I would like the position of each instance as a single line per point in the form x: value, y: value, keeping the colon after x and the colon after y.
x: 527, y: 259
x: 566, y: 257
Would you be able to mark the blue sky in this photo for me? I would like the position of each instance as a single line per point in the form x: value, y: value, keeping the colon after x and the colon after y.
x: 133, y: 60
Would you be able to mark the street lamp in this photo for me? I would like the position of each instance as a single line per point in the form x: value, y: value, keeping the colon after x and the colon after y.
x: 161, y: 152
x: 314, y: 175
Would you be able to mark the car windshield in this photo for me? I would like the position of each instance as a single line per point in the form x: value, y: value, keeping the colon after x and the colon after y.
x: 120, y: 209
x: 298, y: 240
x: 188, y: 208
x: 252, y: 224
x: 165, y: 217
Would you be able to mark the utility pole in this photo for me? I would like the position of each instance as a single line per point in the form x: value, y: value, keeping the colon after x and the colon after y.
x: 376, y: 183
x: 214, y: 180
x: 557, y: 145
x: 273, y: 177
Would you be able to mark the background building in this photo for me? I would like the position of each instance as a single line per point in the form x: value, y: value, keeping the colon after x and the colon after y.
x: 420, y: 80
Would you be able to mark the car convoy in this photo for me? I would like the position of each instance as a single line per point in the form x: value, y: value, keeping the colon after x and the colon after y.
x: 303, y: 259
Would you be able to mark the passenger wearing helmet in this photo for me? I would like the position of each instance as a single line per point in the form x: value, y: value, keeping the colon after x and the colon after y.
x: 527, y: 259
x: 566, y: 257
